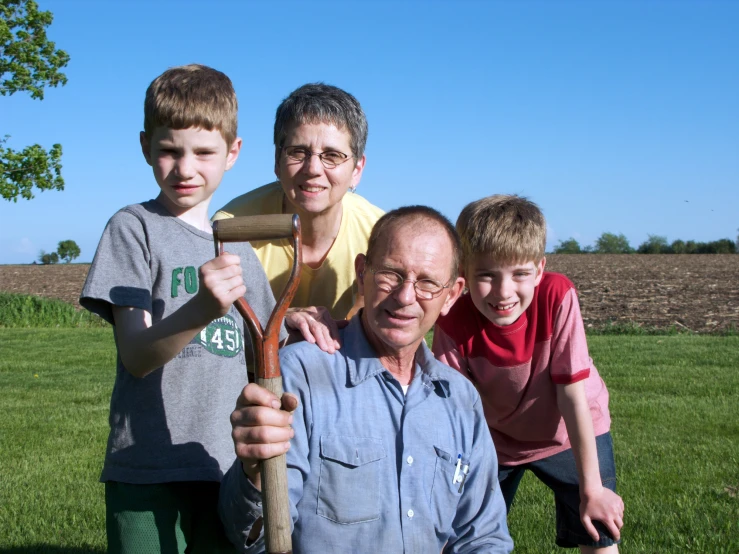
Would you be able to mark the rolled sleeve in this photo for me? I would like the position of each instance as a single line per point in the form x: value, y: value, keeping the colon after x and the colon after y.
x: 240, y: 506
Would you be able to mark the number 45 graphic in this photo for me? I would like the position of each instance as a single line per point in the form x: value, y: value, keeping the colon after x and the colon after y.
x: 221, y: 339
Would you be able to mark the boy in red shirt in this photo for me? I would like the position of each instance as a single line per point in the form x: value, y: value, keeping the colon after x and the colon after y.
x: 519, y: 336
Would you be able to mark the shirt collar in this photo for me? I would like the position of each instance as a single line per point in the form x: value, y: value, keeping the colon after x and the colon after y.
x: 363, y: 363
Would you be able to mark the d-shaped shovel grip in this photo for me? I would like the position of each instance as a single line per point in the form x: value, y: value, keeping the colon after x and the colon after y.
x: 276, y: 505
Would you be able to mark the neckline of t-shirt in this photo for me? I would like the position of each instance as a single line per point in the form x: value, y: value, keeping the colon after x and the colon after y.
x: 506, y: 330
x: 287, y: 244
x: 164, y: 212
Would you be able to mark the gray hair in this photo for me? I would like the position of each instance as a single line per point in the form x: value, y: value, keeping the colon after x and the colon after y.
x: 321, y: 103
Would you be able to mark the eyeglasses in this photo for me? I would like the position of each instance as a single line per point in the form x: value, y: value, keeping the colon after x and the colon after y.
x: 389, y: 281
x: 329, y: 159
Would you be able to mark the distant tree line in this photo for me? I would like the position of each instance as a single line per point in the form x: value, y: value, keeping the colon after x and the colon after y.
x: 610, y: 243
x: 67, y: 251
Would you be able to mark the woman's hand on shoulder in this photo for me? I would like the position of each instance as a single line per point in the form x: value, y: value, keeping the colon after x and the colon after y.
x: 316, y: 326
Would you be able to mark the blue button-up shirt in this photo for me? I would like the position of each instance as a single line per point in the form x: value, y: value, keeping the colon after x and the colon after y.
x: 372, y: 469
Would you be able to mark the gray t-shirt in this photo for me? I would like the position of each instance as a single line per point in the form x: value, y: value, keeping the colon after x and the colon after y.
x: 173, y: 424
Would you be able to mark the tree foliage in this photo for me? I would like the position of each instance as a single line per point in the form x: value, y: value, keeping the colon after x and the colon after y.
x: 29, y: 61
x: 48, y: 257
x: 721, y: 246
x: 678, y: 247
x: 569, y: 246
x: 609, y: 243
x: 654, y: 244
x: 23, y: 169
x: 68, y: 250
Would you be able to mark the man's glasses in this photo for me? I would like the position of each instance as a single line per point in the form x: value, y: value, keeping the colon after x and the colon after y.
x: 388, y: 281
x: 329, y: 159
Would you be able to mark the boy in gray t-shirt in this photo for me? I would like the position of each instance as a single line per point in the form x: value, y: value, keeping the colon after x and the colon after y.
x: 182, y: 355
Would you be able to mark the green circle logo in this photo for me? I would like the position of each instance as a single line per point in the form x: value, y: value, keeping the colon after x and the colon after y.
x: 222, y: 337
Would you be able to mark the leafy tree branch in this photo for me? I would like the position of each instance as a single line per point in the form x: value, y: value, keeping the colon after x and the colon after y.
x: 29, y: 62
x: 21, y: 171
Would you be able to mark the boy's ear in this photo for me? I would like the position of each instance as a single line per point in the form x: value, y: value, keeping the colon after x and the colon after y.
x: 540, y: 270
x: 233, y: 153
x: 145, y: 147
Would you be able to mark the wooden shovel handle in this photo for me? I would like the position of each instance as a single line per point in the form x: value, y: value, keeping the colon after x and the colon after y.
x: 275, y: 499
x: 256, y: 227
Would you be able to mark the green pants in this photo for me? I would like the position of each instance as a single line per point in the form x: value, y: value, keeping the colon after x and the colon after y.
x: 166, y: 518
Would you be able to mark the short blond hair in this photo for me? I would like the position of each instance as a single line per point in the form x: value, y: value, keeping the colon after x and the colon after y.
x: 507, y: 227
x: 192, y: 96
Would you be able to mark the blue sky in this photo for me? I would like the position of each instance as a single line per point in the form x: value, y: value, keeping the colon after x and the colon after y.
x: 612, y: 116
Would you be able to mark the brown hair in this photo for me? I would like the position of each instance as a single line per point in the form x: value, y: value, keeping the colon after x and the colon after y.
x: 415, y: 216
x: 507, y: 227
x: 192, y: 96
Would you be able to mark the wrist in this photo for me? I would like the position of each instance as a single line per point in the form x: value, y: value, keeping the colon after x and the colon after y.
x: 251, y: 470
x: 590, y: 490
x: 199, y: 311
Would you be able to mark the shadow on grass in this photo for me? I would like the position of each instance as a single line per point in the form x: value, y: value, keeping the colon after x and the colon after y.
x: 50, y: 549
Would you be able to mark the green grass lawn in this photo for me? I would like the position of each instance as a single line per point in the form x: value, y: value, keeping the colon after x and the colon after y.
x: 674, y: 403
x: 54, y: 391
x: 675, y: 424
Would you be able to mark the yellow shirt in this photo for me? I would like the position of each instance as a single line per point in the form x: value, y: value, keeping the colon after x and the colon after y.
x: 332, y: 284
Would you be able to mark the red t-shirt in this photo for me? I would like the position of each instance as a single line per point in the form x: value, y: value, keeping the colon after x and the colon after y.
x: 516, y: 368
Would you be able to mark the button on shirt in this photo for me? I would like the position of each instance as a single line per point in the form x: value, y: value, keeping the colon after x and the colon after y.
x: 353, y: 427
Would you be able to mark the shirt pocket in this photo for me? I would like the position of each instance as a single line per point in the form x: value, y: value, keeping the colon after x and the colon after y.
x: 349, y: 482
x: 445, y: 495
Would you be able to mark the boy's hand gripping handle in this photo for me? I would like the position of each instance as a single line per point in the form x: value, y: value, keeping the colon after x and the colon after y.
x: 276, y: 511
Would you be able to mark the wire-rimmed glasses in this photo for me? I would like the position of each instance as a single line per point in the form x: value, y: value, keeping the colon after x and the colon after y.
x: 330, y: 159
x: 389, y: 281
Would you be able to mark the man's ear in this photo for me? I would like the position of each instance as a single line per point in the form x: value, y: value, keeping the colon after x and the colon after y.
x: 540, y: 270
x: 360, y: 266
x: 145, y: 147
x: 455, y: 291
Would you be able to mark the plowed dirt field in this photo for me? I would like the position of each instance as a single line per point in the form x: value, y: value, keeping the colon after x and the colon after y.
x: 696, y: 292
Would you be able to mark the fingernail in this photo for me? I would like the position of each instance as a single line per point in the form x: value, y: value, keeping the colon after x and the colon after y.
x: 290, y: 419
x: 276, y: 404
